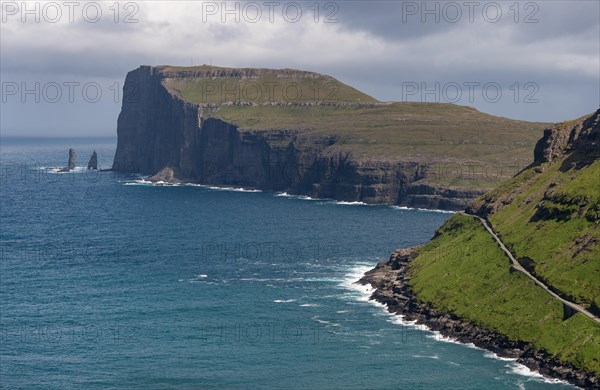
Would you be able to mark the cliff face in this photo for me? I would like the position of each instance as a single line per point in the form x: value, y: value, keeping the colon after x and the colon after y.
x: 580, y: 135
x: 157, y: 128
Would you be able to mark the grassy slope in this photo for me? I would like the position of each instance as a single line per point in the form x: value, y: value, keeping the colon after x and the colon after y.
x: 402, y: 130
x: 557, y: 246
x: 266, y: 89
x: 464, y: 272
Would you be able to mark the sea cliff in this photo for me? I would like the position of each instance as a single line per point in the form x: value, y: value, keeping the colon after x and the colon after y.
x: 168, y: 120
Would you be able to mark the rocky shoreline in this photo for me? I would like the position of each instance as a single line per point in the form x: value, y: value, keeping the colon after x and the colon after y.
x: 390, y: 280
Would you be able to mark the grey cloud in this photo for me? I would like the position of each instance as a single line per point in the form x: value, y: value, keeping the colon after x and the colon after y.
x: 530, y: 21
x: 406, y: 52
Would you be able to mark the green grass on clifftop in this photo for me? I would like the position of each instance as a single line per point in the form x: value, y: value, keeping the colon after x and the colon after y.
x: 402, y: 130
x: 462, y: 271
x: 220, y: 85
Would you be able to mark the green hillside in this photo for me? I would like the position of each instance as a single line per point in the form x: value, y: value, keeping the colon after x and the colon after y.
x: 558, y: 211
x: 549, y: 217
x: 463, y: 272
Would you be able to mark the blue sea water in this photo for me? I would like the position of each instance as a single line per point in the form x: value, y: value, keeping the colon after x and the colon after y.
x: 107, y: 282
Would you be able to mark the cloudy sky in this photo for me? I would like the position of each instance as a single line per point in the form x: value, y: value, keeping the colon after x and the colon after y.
x: 63, y: 63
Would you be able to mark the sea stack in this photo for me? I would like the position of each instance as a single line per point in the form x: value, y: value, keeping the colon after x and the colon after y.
x: 72, y: 159
x: 93, y: 163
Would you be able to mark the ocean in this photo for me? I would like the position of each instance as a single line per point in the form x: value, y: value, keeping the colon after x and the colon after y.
x: 107, y: 282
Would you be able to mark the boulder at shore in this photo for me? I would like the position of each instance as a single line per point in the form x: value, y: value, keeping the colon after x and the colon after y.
x: 166, y: 175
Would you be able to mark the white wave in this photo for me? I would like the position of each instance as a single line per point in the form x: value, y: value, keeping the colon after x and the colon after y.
x: 202, y: 276
x: 301, y: 197
x: 399, y: 319
x: 361, y: 292
x: 426, y: 210
x: 284, y: 300
x: 133, y: 183
x: 143, y: 182
x: 323, y: 200
x: 234, y: 189
x: 437, y: 336
x: 426, y: 357
x: 359, y: 203
x: 520, y: 369
x: 492, y: 355
x: 309, y: 305
x: 160, y: 183
x: 317, y: 319
x: 58, y: 170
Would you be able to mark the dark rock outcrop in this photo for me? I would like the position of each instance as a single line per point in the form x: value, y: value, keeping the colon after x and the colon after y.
x: 72, y: 161
x: 390, y: 279
x: 158, y: 129
x: 578, y: 143
x: 165, y: 175
x: 93, y: 163
x: 581, y: 135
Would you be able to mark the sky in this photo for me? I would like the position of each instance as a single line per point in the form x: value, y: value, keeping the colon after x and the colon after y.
x: 63, y: 63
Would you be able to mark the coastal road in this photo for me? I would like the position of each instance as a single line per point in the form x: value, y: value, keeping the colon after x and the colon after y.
x: 519, y: 267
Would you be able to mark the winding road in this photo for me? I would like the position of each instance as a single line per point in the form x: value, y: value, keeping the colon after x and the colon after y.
x: 519, y: 267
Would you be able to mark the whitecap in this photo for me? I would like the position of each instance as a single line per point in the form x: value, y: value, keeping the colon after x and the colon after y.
x: 437, y: 336
x: 284, y: 300
x: 399, y: 319
x: 436, y: 357
x: 143, y: 182
x: 160, y: 183
x: 520, y: 369
x: 349, y: 282
x: 329, y: 323
x: 492, y: 355
x: 58, y: 170
x: 425, y: 210
x: 234, y: 189
x: 301, y: 197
